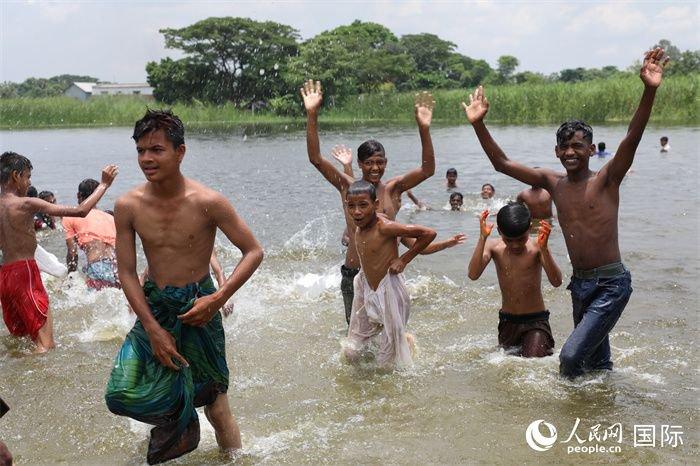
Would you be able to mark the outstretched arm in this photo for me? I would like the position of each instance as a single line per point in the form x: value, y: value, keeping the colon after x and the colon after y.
x: 550, y: 267
x: 436, y: 246
x: 651, y: 75
x: 422, y: 235
x: 313, y: 97
x: 162, y: 342
x: 236, y: 230
x: 424, y: 115
x: 415, y: 200
x: 34, y: 204
x: 482, y: 252
x: 476, y: 111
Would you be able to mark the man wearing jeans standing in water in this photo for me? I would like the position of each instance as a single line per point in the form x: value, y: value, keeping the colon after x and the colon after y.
x: 587, y: 203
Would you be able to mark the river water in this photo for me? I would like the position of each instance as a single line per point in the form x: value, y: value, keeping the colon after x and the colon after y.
x: 465, y: 401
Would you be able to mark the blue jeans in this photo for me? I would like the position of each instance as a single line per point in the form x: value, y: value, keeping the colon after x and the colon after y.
x: 598, y: 302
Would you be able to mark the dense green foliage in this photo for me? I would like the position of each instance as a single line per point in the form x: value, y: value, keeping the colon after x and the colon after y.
x: 596, y: 101
x: 42, y: 87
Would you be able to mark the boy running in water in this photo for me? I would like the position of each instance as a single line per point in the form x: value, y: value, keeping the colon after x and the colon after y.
x: 587, y: 205
x: 523, y: 319
x: 173, y: 360
x: 25, y: 304
x: 381, y: 304
x: 372, y: 161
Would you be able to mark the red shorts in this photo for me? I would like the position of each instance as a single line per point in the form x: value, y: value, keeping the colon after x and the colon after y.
x: 25, y: 304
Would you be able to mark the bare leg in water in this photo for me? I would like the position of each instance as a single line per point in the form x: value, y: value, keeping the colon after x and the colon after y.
x: 44, y: 338
x: 228, y: 435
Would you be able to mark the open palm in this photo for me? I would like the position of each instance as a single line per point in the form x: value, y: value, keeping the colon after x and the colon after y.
x: 653, y: 67
x: 312, y: 95
x: 478, y: 105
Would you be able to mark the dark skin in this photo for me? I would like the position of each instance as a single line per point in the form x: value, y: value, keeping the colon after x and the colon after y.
x: 519, y: 263
x: 377, y: 238
x: 587, y: 202
x: 538, y: 201
x: 389, y: 193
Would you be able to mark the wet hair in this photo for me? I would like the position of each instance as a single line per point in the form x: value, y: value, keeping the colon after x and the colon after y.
x: 601, y: 146
x: 488, y: 184
x: 451, y: 171
x: 664, y: 138
x: 368, y: 148
x: 362, y: 187
x: 567, y: 130
x: 31, y: 192
x: 12, y: 162
x: 45, y: 195
x: 154, y: 120
x: 455, y: 195
x: 513, y: 220
x: 87, y: 187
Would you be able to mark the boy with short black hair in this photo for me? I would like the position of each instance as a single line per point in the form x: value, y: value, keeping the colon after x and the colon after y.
x: 456, y: 201
x: 587, y: 206
x: 25, y: 303
x: 381, y: 303
x: 523, y: 319
x: 451, y: 179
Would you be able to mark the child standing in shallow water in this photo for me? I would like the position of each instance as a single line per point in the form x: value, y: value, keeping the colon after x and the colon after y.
x: 381, y: 303
x: 523, y: 319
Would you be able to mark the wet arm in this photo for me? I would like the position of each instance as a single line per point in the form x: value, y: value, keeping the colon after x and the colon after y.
x: 427, y: 168
x: 550, y: 267
x: 480, y: 258
x: 419, y: 237
x: 216, y: 268
x: 33, y: 205
x: 72, y: 254
x: 236, y: 230
x: 435, y: 246
x: 324, y: 166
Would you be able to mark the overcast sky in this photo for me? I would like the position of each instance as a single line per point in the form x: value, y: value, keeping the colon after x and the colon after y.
x: 113, y: 40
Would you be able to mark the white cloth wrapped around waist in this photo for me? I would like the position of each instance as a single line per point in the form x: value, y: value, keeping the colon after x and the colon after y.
x: 381, y: 314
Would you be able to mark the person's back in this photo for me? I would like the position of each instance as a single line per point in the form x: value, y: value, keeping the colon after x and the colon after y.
x: 539, y: 201
x: 524, y: 320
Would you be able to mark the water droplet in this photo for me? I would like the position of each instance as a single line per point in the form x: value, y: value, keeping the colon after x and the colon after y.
x: 262, y: 71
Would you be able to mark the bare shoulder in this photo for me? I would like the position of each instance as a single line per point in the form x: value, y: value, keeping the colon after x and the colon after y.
x: 130, y: 198
x: 205, y: 195
x: 496, y: 246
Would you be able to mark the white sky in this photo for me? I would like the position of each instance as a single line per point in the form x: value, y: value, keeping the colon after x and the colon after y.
x: 113, y: 40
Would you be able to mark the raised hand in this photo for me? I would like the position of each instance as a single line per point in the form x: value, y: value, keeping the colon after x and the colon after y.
x: 543, y: 235
x: 478, y: 106
x: 485, y: 228
x: 201, y: 313
x: 653, y: 67
x: 456, y: 239
x: 342, y: 154
x: 312, y: 95
x: 424, y: 105
x: 109, y: 173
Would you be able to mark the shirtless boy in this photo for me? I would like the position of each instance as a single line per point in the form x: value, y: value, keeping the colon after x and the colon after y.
x: 372, y: 161
x: 95, y: 235
x: 381, y: 304
x: 587, y: 205
x: 25, y: 304
x: 173, y: 360
x: 539, y: 201
x: 523, y: 319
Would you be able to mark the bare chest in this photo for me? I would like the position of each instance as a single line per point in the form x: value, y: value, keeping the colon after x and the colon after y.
x: 176, y: 225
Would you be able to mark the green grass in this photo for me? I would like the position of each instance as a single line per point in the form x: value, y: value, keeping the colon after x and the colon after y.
x: 608, y: 100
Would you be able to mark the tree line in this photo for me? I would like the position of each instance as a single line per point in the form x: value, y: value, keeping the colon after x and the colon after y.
x: 258, y: 64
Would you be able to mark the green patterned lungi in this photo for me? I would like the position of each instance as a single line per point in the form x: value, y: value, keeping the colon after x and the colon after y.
x: 142, y: 388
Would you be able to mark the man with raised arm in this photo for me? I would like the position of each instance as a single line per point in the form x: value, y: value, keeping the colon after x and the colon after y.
x: 25, y: 303
x: 372, y: 161
x: 173, y: 360
x: 587, y: 204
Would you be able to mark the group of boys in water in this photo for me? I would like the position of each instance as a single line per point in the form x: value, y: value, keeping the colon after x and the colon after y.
x: 173, y: 360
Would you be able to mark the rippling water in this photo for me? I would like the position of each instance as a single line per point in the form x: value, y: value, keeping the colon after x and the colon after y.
x: 464, y: 401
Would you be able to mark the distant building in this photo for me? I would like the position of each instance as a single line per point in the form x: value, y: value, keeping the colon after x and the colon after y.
x: 80, y: 91
x: 83, y: 91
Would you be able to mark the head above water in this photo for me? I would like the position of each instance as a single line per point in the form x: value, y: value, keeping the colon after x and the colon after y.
x: 32, y: 192
x: 13, y: 162
x: 154, y: 120
x: 456, y: 201
x: 47, y: 196
x: 513, y: 222
x: 601, y: 147
x: 664, y: 140
x: 361, y: 203
x: 372, y: 160
x: 568, y: 129
x: 451, y: 177
x: 86, y: 187
x: 487, y: 191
